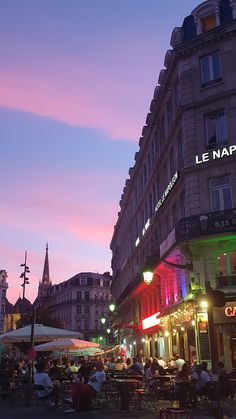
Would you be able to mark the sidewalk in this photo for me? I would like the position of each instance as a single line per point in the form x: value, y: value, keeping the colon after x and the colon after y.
x: 44, y: 412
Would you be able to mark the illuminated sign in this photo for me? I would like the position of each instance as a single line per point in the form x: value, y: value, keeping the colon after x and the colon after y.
x: 167, y: 191
x: 230, y: 311
x: 151, y: 321
x: 216, y: 154
x: 146, y: 226
x: 137, y: 242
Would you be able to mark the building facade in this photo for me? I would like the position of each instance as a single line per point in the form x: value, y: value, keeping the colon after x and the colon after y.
x: 3, y: 295
x: 80, y: 303
x: 177, y: 210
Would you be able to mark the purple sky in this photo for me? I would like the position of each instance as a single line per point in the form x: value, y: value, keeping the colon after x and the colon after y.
x: 76, y: 81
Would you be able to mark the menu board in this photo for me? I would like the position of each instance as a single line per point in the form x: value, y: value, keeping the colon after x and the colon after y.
x: 204, y: 346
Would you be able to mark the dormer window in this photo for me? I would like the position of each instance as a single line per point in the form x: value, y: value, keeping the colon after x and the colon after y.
x: 206, y: 16
x: 208, y: 23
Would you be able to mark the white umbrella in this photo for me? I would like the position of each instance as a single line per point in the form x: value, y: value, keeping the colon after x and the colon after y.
x: 66, y: 344
x: 41, y: 334
x: 79, y: 352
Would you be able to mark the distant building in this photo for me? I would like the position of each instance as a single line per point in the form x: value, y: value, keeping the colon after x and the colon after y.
x: 3, y: 293
x: 78, y: 303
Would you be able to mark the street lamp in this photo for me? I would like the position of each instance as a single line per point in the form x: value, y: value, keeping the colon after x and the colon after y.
x: 23, y: 275
x: 147, y: 277
x: 112, y: 307
x: 108, y: 330
x: 103, y: 320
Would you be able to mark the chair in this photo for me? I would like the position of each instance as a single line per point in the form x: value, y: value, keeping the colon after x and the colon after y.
x: 147, y: 399
x: 175, y: 413
x: 36, y: 389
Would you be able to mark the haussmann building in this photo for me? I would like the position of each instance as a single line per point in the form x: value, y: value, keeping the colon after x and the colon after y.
x: 177, y: 214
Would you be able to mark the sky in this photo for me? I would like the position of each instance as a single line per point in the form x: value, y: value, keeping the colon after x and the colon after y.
x: 76, y: 81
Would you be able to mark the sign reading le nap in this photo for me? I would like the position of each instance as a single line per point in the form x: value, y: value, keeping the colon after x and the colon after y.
x: 216, y: 154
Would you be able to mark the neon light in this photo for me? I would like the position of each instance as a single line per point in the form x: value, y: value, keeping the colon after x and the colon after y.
x: 216, y: 154
x: 167, y: 191
x: 230, y: 311
x: 151, y: 321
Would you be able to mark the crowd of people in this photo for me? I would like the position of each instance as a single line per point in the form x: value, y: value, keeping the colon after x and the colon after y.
x: 88, y: 376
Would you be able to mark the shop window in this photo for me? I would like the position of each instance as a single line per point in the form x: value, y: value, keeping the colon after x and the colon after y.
x: 210, y: 68
x: 220, y: 193
x: 216, y: 129
x: 227, y: 263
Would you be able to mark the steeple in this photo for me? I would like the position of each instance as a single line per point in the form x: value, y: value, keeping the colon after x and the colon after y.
x: 45, y: 283
x: 45, y: 277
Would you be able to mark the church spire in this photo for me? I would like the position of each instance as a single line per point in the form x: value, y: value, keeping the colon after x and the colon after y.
x: 45, y: 277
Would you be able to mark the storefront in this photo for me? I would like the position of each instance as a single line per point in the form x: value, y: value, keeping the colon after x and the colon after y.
x: 225, y: 328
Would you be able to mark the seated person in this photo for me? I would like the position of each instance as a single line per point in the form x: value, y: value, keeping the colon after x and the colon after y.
x: 224, y: 383
x: 83, y: 393
x: 136, y: 367
x: 41, y: 378
x: 72, y: 369
x: 152, y: 372
x: 118, y: 366
x: 55, y: 371
x: 181, y: 387
x: 200, y: 379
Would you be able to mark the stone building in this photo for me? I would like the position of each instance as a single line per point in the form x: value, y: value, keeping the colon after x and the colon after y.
x: 78, y: 303
x: 3, y: 295
x: 177, y: 211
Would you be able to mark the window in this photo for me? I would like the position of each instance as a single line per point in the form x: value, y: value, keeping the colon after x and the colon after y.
x: 86, y: 295
x: 221, y: 194
x: 96, y: 324
x: 227, y: 263
x: 86, y: 310
x: 79, y: 295
x: 216, y: 132
x: 172, y: 163
x: 82, y: 281
x: 2, y: 309
x: 78, y: 309
x: 180, y: 149
x: 169, y: 112
x: 177, y: 94
x: 208, y: 23
x: 210, y: 68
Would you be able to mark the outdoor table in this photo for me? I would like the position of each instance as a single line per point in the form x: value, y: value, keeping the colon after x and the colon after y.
x: 125, y: 384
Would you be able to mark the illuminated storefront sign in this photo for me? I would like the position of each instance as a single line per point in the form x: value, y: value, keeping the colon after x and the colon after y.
x: 151, y: 321
x: 230, y: 311
x: 167, y: 191
x: 216, y: 154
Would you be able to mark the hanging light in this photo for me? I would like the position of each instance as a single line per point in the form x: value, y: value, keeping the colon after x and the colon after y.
x: 112, y: 307
x: 147, y: 277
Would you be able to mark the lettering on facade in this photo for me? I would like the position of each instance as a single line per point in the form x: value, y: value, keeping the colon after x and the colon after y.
x: 230, y: 311
x: 216, y: 154
x: 167, y: 191
x: 151, y: 321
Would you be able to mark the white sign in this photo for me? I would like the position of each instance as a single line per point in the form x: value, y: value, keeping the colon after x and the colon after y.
x: 167, y: 191
x: 216, y: 154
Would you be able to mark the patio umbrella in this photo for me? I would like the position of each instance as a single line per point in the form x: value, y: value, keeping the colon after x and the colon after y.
x: 41, y: 334
x: 79, y: 352
x: 67, y: 344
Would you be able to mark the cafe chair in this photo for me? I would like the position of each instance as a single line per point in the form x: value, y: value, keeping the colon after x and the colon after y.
x: 41, y: 399
x: 175, y: 413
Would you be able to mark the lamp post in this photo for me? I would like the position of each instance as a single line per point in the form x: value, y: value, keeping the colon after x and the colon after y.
x: 23, y: 275
x: 25, y: 282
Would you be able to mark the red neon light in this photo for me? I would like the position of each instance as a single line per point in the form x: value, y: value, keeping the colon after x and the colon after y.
x: 151, y: 321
